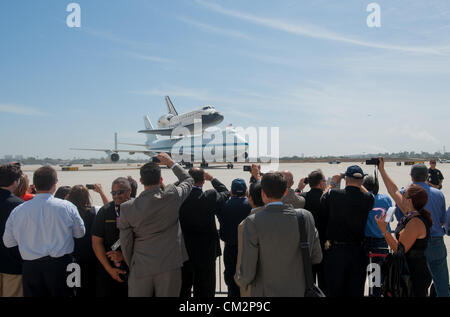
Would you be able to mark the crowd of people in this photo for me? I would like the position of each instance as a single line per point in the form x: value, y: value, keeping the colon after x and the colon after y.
x: 165, y: 241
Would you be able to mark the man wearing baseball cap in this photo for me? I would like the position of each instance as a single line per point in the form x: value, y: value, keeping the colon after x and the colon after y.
x: 236, y: 209
x: 342, y: 219
x: 436, y: 252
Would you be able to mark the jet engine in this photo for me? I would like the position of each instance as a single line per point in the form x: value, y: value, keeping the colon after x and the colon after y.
x: 114, y: 157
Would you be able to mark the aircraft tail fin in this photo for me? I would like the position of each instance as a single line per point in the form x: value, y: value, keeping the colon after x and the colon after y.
x: 149, y: 126
x: 170, y: 107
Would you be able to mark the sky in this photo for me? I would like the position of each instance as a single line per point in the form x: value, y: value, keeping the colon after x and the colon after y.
x: 332, y: 85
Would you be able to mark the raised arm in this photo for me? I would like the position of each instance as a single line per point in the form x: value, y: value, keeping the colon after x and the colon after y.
x: 222, y: 192
x: 185, y: 180
x: 390, y: 186
x: 99, y: 189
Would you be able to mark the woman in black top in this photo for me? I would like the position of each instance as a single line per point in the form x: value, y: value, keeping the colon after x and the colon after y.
x: 83, y: 253
x: 412, y: 233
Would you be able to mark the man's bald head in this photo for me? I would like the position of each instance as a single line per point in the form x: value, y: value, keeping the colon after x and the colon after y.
x: 289, y: 178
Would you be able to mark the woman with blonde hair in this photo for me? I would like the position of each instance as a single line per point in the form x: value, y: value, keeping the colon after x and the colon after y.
x: 23, y: 190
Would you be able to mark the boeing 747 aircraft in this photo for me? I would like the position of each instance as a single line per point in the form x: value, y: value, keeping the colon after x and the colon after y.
x: 230, y: 146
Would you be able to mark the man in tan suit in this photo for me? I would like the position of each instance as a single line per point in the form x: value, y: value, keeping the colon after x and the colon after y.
x: 271, y: 256
x: 291, y: 197
x: 150, y: 232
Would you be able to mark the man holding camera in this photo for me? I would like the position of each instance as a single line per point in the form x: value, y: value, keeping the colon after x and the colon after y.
x: 291, y: 197
x: 198, y: 223
x: 344, y: 215
x: 150, y: 232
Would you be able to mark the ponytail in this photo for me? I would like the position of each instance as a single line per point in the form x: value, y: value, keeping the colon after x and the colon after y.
x: 427, y: 215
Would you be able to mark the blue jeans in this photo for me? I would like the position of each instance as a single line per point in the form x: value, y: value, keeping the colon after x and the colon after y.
x: 436, y: 255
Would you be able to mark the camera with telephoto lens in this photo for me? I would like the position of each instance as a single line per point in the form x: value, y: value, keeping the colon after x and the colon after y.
x: 373, y: 161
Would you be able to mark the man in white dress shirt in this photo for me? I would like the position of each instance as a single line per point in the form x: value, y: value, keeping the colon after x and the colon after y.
x: 43, y: 228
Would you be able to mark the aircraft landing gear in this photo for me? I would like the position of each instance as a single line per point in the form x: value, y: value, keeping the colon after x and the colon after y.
x: 188, y: 164
x: 230, y: 166
x: 204, y: 165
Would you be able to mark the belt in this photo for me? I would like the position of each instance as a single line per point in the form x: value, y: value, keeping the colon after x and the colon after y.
x: 49, y: 258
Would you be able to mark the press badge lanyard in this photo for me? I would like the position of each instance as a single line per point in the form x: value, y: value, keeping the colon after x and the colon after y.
x: 116, y: 209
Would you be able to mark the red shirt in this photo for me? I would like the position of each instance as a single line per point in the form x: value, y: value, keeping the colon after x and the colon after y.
x: 27, y: 197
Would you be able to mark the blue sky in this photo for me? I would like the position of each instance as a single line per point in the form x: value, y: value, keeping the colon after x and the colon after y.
x: 312, y: 68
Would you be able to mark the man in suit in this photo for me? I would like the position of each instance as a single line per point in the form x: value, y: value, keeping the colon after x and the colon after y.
x: 198, y: 224
x: 150, y: 234
x: 271, y: 256
x: 10, y: 260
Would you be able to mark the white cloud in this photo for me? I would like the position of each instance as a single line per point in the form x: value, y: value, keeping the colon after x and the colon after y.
x: 214, y: 29
x: 150, y: 58
x: 21, y: 110
x: 314, y: 31
x: 108, y: 36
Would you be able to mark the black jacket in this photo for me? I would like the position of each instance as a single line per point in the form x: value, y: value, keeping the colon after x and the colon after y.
x: 10, y: 259
x: 198, y: 224
x: 312, y: 204
x: 343, y: 214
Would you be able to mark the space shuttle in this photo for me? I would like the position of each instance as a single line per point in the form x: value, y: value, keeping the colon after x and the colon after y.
x: 207, y: 115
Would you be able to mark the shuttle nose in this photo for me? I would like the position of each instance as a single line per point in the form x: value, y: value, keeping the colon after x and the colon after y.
x: 213, y: 118
x: 219, y: 117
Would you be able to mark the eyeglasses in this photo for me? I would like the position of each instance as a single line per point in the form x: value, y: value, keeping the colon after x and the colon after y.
x: 119, y: 192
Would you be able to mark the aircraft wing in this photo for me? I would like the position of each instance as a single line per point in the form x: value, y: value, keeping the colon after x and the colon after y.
x: 107, y: 151
x: 133, y: 144
x: 157, y: 131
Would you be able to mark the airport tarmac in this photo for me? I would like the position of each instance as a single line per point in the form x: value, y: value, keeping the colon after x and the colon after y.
x: 104, y: 174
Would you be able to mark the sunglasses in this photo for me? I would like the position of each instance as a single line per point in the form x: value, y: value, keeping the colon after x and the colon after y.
x: 119, y: 192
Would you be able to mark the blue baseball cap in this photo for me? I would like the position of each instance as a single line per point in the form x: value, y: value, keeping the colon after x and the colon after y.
x: 355, y: 171
x: 238, y: 186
